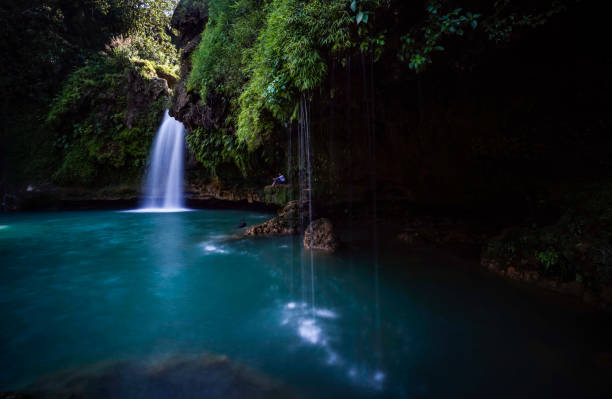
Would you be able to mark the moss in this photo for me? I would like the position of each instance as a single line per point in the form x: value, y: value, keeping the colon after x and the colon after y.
x: 260, y: 55
x: 77, y: 168
x: 279, y: 194
x: 576, y: 246
x: 101, y: 136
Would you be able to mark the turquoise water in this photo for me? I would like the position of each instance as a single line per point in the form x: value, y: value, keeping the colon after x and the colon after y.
x: 89, y: 288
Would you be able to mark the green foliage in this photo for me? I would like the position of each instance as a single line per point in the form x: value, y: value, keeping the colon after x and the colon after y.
x: 90, y: 120
x: 444, y: 21
x: 219, y: 60
x: 581, y: 236
x: 44, y: 42
x: 47, y: 38
x: 425, y: 39
x: 77, y: 168
x: 548, y: 258
x: 215, y: 148
x: 261, y: 55
x: 506, y: 19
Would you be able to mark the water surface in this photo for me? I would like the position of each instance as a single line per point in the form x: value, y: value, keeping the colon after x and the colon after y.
x: 89, y: 288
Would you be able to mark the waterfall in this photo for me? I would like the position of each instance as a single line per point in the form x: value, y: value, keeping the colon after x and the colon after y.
x: 164, y: 177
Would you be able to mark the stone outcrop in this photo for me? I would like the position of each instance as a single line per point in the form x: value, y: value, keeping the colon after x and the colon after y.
x: 320, y: 235
x: 190, y: 19
x: 205, y: 191
x: 287, y: 222
x: 142, y: 93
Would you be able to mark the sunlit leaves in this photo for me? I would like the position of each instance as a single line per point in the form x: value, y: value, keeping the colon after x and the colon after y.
x: 423, y: 40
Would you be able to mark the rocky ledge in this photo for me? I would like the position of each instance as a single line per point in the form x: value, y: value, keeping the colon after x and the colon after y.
x: 319, y: 235
x: 287, y: 222
x: 594, y: 296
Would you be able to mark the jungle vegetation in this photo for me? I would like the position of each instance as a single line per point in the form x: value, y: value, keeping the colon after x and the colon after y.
x: 59, y: 58
x: 261, y: 56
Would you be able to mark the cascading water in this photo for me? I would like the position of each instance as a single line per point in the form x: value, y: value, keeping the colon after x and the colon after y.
x: 164, y: 179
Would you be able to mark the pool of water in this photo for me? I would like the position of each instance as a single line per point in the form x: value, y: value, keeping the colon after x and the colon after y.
x: 148, y: 291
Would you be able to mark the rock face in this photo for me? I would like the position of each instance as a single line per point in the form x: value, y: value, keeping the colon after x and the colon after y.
x: 142, y: 93
x: 278, y: 194
x: 320, y: 235
x: 189, y: 19
x: 286, y: 223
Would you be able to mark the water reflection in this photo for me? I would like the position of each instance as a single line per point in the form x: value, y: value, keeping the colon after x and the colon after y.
x: 167, y: 251
x: 314, y: 327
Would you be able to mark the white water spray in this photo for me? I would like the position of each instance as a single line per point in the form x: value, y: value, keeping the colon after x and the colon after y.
x: 164, y: 179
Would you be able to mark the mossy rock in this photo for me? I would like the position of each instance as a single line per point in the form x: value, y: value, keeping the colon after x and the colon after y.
x: 279, y: 194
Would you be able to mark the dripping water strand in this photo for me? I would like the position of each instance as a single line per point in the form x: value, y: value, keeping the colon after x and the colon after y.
x: 290, y: 182
x: 374, y: 192
x: 301, y: 179
x: 309, y: 174
x: 371, y: 135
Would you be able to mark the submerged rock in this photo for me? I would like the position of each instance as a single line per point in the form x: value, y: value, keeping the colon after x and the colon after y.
x: 202, y: 376
x: 320, y: 235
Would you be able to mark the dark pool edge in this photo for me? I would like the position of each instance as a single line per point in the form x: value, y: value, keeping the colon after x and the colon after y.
x: 55, y: 204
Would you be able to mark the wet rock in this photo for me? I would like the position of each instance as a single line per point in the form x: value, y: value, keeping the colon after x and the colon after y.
x: 278, y: 194
x: 287, y: 222
x: 206, y: 191
x: 141, y: 94
x: 320, y: 235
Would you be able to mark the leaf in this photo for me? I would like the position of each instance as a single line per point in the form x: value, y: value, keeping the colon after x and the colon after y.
x: 354, y: 6
x: 359, y: 17
x: 474, y: 24
x: 365, y: 19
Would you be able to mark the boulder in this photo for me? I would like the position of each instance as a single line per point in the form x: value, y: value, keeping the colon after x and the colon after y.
x: 320, y: 235
x: 287, y: 222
